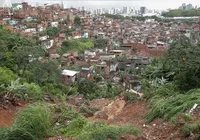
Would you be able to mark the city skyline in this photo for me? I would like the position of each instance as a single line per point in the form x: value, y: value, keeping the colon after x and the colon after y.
x: 151, y: 4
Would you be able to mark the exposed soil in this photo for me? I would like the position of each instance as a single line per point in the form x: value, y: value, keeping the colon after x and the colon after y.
x: 8, y: 113
x: 115, y: 112
x: 133, y: 114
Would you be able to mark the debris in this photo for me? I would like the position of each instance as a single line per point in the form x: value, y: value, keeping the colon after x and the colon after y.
x: 110, y: 111
x: 193, y: 108
x: 137, y: 93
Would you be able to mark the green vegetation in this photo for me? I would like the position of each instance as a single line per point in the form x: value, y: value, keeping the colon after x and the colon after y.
x: 81, y: 45
x: 100, y: 43
x: 170, y: 107
x: 32, y: 123
x: 172, y: 85
x: 50, y: 31
x: 102, y: 131
x: 139, y: 18
x: 6, y: 76
x: 21, y: 71
x: 92, y: 90
x: 116, y: 16
x: 38, y: 121
x: 187, y: 129
x: 182, y: 13
x: 87, y: 130
x: 68, y: 32
x: 75, y: 45
x: 88, y: 111
x: 77, y: 21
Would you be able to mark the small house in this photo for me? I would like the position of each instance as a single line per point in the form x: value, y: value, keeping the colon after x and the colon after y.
x: 69, y: 77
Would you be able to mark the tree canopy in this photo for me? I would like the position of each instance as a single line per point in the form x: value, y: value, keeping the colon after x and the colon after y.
x: 77, y: 21
x: 180, y: 65
x: 182, y: 13
x: 75, y: 45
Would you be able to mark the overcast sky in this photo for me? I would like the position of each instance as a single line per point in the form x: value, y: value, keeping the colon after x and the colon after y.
x: 150, y: 4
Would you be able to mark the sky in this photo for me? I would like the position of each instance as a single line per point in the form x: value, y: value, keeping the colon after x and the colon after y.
x: 150, y: 4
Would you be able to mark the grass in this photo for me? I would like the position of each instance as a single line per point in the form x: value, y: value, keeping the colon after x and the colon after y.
x: 73, y: 124
x: 63, y: 115
x: 88, y: 111
x: 102, y: 131
x: 169, y: 107
x: 83, y: 129
x: 32, y: 123
x: 38, y: 121
x: 187, y: 129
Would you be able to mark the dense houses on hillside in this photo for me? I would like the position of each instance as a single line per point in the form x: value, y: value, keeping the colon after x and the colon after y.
x: 131, y: 43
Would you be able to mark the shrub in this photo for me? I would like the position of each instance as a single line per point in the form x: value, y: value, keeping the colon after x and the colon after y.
x: 34, y: 91
x: 75, y: 127
x: 188, y: 128
x: 170, y: 107
x: 6, y: 76
x: 59, y: 90
x: 87, y: 111
x: 102, y: 131
x: 78, y: 127
x: 63, y: 115
x: 187, y: 117
x: 87, y: 87
x: 32, y: 123
x: 130, y: 97
x: 102, y: 90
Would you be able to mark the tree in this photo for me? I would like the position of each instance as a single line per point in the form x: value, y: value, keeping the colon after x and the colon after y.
x: 9, y: 44
x: 46, y: 72
x: 25, y: 55
x: 182, y: 13
x: 77, y: 21
x: 182, y: 59
x: 100, y: 43
x: 6, y: 76
x: 75, y: 45
x: 50, y: 31
x: 87, y: 87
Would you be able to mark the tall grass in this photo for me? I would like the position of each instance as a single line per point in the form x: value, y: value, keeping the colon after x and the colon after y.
x: 169, y: 107
x: 83, y: 129
x: 102, y: 131
x: 32, y: 123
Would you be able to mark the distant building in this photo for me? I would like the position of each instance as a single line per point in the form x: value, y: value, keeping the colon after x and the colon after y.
x: 189, y: 7
x: 143, y: 10
x: 125, y: 10
x: 185, y: 6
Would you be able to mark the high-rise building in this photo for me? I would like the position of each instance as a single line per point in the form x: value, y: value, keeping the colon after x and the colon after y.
x: 184, y: 6
x: 189, y: 7
x: 125, y: 10
x: 143, y: 10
